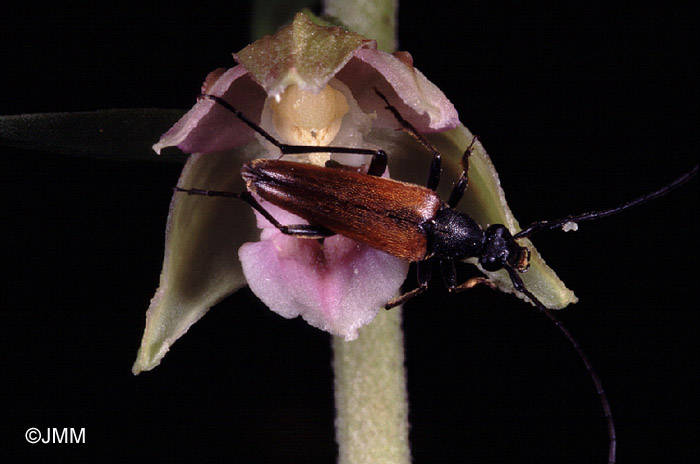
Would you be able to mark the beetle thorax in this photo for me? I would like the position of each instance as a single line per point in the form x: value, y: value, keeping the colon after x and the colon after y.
x: 454, y: 235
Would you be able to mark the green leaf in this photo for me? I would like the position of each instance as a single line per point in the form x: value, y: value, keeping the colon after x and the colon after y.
x: 110, y: 134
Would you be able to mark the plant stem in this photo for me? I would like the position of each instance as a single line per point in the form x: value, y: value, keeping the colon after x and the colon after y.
x: 370, y: 379
x: 375, y: 19
x: 370, y: 394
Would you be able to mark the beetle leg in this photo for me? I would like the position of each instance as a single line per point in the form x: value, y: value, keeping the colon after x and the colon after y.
x: 449, y: 276
x: 296, y: 230
x: 460, y: 186
x: 378, y: 164
x: 379, y: 157
x: 423, y: 275
x: 436, y: 163
x: 473, y: 282
x: 376, y: 167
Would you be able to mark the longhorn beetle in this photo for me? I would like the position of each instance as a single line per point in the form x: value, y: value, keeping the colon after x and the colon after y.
x: 404, y: 220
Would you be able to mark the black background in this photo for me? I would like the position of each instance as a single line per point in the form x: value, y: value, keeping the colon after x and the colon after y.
x: 580, y: 108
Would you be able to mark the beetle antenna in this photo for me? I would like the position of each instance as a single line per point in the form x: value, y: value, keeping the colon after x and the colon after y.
x: 593, y: 215
x: 607, y: 411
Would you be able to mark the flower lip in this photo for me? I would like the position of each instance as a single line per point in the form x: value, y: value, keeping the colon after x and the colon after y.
x: 338, y: 286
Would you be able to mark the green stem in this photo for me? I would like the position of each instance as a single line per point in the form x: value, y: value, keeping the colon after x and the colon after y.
x: 375, y: 19
x: 370, y: 394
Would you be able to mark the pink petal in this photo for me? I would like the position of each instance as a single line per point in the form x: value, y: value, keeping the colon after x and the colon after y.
x: 417, y: 99
x: 337, y: 287
x: 208, y: 127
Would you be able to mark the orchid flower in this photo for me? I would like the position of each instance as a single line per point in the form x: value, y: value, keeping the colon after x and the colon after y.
x: 315, y: 85
x: 306, y: 85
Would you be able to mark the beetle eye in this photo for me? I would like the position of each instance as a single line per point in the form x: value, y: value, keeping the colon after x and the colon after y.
x: 492, y: 262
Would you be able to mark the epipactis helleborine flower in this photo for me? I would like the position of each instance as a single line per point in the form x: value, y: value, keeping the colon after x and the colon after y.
x: 306, y: 85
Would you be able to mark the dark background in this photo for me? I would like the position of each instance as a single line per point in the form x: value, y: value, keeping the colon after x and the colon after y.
x: 579, y: 108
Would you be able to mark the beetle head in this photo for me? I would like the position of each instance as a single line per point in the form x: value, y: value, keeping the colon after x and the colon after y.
x: 500, y: 250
